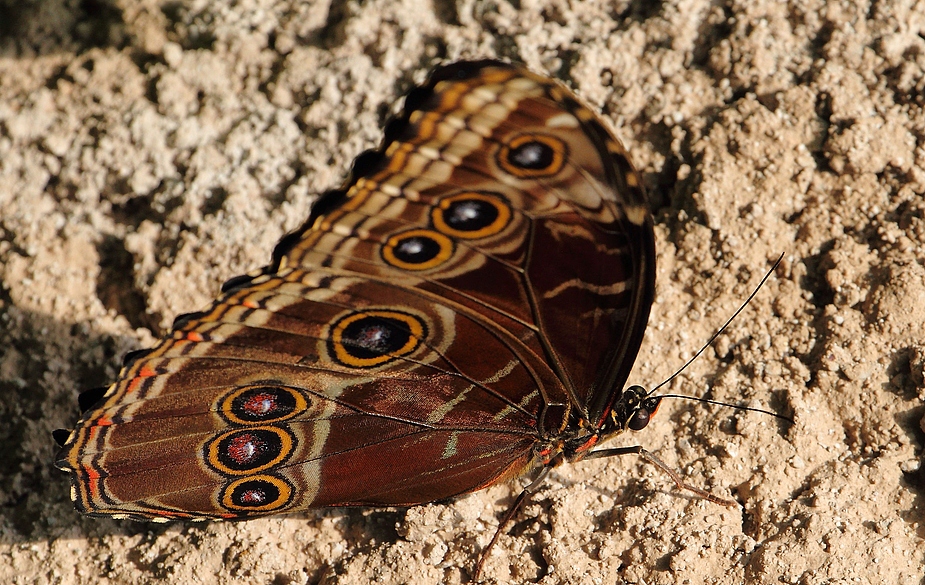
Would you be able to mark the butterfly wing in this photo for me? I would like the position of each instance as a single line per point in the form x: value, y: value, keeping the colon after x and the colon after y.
x: 480, y: 282
x: 294, y: 392
x: 558, y: 236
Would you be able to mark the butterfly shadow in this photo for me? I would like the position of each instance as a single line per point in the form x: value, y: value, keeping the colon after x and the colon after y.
x: 49, y: 28
x: 904, y: 372
x: 44, y: 364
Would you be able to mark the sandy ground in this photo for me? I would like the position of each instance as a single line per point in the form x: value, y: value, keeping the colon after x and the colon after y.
x: 151, y: 149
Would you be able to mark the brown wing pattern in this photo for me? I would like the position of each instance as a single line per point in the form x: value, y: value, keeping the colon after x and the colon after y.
x: 481, y: 283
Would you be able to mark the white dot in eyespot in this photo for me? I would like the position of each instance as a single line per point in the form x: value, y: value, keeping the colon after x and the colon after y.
x: 263, y: 406
x: 412, y: 246
x: 253, y: 497
x: 373, y: 337
x: 465, y: 211
x: 529, y: 154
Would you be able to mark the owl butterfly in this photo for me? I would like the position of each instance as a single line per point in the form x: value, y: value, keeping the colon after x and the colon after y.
x: 464, y: 311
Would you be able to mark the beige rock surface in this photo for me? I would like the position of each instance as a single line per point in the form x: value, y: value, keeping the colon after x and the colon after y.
x: 150, y: 149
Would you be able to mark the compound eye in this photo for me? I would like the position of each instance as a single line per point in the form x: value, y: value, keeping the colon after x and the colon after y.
x: 651, y: 404
x: 641, y: 417
x: 639, y: 420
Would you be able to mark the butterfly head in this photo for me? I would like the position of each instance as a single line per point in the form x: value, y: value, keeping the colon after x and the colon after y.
x: 634, y: 409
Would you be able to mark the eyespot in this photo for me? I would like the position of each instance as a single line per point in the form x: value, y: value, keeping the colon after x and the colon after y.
x: 533, y: 156
x: 371, y: 338
x: 417, y: 249
x: 262, y: 493
x: 471, y: 215
x: 246, y: 451
x: 262, y: 404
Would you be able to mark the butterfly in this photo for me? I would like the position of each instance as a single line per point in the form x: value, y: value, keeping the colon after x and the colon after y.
x: 463, y: 311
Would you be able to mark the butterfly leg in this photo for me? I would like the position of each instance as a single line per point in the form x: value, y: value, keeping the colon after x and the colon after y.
x: 529, y: 490
x: 651, y: 458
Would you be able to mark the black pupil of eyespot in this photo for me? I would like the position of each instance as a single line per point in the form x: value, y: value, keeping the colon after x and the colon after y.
x: 416, y: 249
x: 469, y: 215
x: 374, y: 336
x: 255, y: 493
x: 532, y: 155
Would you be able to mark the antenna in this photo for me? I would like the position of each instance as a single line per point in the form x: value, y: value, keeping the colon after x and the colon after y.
x: 735, y: 406
x: 720, y: 332
x: 709, y: 343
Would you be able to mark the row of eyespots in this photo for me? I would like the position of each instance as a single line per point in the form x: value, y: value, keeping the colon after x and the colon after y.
x: 360, y: 339
x: 472, y: 215
x: 468, y: 215
x: 259, y: 445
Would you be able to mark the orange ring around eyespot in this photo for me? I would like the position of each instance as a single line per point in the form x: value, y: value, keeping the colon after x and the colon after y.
x: 558, y: 150
x: 284, y: 494
x: 416, y: 333
x: 286, y: 442
x: 444, y: 252
x: 499, y: 223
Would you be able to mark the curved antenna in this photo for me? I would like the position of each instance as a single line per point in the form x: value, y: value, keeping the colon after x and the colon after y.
x: 721, y: 329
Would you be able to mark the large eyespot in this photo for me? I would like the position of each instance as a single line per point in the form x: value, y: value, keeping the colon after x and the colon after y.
x: 247, y: 451
x: 417, y: 249
x: 471, y: 215
x: 371, y: 338
x: 261, y: 404
x: 262, y: 493
x: 532, y: 156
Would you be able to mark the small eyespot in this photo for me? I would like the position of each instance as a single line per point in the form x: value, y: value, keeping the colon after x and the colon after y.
x: 417, y: 249
x: 250, y: 450
x: 533, y: 156
x: 471, y: 215
x: 262, y: 493
x: 262, y: 404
